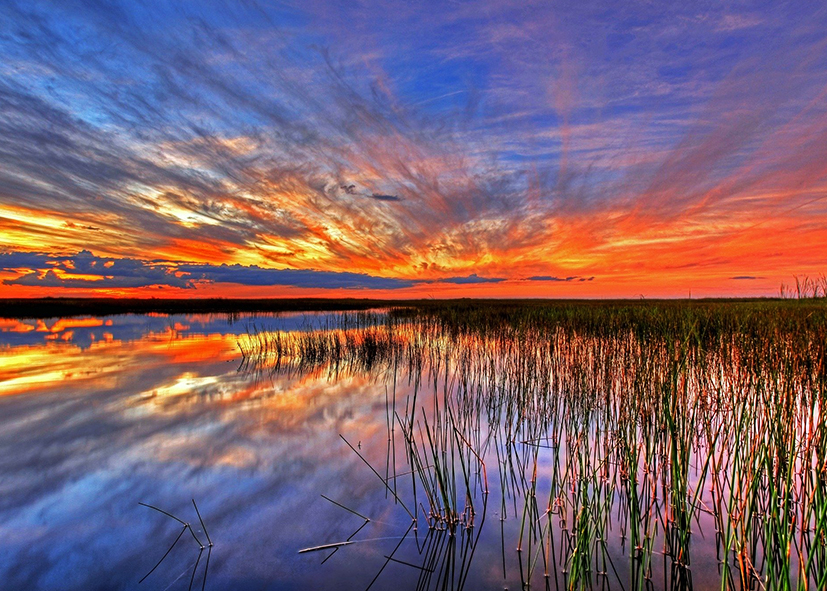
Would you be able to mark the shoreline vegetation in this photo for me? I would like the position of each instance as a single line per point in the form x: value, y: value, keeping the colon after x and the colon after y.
x: 17, y: 308
x: 631, y: 444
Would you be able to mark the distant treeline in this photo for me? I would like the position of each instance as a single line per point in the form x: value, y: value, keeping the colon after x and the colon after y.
x: 62, y: 307
x: 65, y: 307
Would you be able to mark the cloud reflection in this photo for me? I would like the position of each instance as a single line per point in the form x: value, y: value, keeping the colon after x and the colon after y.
x: 161, y: 420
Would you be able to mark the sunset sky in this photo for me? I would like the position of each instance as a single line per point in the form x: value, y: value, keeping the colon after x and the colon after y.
x: 404, y: 149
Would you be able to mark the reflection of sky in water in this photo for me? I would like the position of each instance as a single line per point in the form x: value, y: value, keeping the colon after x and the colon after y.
x: 84, y: 331
x: 159, y: 414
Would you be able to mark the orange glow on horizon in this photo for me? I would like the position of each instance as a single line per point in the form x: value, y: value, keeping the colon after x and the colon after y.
x: 629, y: 254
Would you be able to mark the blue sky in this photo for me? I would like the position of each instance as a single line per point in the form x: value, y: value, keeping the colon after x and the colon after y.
x: 635, y: 142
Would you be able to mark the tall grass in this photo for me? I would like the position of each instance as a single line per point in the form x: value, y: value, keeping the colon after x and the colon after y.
x: 653, y: 419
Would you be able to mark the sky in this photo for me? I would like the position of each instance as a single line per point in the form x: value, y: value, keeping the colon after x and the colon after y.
x: 402, y: 149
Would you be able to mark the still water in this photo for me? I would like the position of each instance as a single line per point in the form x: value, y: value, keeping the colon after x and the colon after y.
x: 99, y: 414
x: 115, y: 432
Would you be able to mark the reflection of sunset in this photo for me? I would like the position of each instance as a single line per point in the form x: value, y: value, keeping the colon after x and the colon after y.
x: 257, y: 423
x: 280, y: 402
x: 59, y: 326
x: 7, y: 325
x: 68, y: 323
x: 168, y: 374
x: 50, y: 367
x: 94, y: 430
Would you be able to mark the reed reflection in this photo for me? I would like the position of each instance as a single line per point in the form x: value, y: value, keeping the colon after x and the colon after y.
x: 564, y: 447
x: 679, y: 448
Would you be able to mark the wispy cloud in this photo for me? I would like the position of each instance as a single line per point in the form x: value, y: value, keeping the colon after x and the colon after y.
x: 417, y: 143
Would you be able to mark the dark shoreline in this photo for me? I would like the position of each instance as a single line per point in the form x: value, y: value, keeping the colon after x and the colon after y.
x: 63, y: 307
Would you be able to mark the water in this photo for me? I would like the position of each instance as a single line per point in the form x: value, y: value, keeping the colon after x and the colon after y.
x: 98, y: 415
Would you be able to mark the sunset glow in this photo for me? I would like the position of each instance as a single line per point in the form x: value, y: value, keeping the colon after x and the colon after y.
x: 403, y: 150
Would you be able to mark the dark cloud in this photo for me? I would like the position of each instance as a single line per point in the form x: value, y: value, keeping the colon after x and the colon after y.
x: 99, y: 272
x: 254, y: 275
x: 552, y: 278
x: 745, y: 277
x: 46, y: 271
x: 471, y: 279
x: 9, y: 261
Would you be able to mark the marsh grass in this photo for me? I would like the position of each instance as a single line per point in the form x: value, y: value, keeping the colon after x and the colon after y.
x: 186, y: 527
x: 614, y: 427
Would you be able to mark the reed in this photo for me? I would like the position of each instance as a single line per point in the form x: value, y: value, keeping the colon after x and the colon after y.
x: 651, y: 419
x: 186, y: 527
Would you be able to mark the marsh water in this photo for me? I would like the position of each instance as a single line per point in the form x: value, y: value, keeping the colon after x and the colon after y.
x: 329, y: 454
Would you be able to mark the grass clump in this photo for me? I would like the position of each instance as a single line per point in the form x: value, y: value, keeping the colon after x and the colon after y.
x: 616, y: 429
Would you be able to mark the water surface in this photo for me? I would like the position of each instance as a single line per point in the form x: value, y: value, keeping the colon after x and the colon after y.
x: 99, y: 414
x: 518, y: 451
